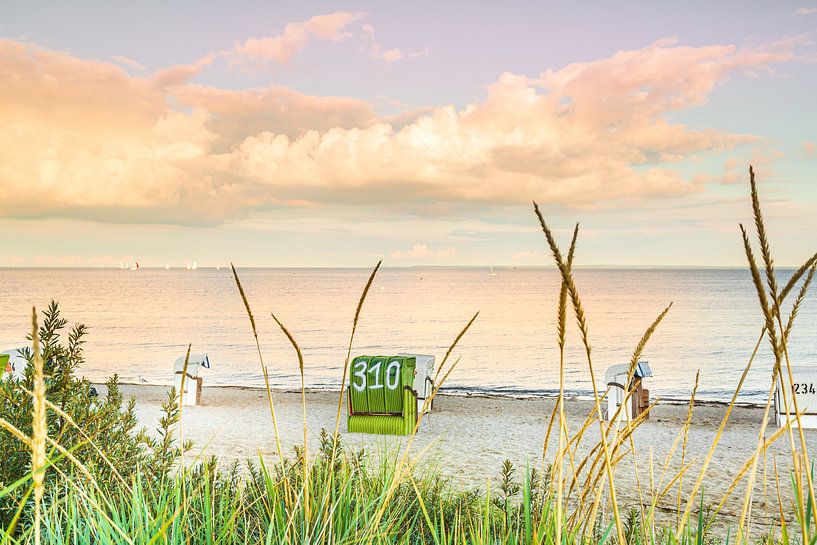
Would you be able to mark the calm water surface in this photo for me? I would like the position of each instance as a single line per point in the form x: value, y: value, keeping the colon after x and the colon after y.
x: 140, y: 322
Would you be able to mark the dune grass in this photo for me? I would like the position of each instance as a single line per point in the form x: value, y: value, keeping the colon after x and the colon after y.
x: 340, y: 496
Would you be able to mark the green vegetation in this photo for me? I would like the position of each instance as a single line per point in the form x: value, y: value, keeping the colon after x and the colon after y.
x: 78, y: 470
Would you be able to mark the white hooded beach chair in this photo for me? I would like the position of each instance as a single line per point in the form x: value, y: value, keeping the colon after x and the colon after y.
x: 423, y: 379
x: 616, y: 379
x: 805, y: 387
x: 192, y: 381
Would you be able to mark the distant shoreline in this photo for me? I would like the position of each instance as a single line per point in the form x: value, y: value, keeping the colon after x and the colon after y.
x: 454, y: 393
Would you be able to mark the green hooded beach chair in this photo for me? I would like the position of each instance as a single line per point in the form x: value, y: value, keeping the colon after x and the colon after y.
x: 381, y: 398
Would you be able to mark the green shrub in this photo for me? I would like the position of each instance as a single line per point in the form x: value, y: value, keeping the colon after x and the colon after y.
x: 86, y: 426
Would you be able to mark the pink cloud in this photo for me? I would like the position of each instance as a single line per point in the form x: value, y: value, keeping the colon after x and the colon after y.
x: 112, y: 147
x: 238, y: 114
x: 281, y: 47
x: 181, y: 73
x: 130, y: 63
x: 389, y: 55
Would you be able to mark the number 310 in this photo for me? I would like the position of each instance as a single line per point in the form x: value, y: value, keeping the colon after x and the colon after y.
x: 361, y: 370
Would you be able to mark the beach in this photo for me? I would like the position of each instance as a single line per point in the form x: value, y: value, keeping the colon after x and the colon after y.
x: 468, y: 437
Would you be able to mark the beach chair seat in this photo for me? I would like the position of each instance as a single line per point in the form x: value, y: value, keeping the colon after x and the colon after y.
x: 381, y: 398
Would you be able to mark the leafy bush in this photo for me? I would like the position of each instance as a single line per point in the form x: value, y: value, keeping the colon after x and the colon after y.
x: 101, y: 432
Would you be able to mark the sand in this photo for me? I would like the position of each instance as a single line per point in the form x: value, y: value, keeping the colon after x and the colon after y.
x: 468, y: 438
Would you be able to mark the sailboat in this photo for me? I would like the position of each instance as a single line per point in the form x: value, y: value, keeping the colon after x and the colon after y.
x: 195, y: 266
x: 167, y: 266
x: 135, y: 266
x: 492, y: 273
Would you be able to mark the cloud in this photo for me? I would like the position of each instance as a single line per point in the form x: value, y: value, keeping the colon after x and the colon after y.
x: 801, y: 12
x: 181, y: 73
x: 389, y: 55
x: 281, y: 47
x: 422, y: 251
x: 237, y: 114
x: 130, y: 63
x: 119, y: 148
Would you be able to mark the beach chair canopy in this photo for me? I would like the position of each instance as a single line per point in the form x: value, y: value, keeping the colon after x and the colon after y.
x: 382, y: 398
x: 196, y: 362
x: 642, y: 370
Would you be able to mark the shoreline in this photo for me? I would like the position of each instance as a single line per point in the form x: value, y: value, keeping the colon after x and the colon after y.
x: 482, y: 394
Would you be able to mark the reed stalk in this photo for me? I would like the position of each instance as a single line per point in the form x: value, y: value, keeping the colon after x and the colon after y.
x: 180, y: 401
x: 687, y: 425
x: 359, y: 308
x: 753, y: 468
x: 39, y: 428
x: 562, y: 334
x: 437, y: 385
x: 744, y: 469
x: 264, y: 371
x: 702, y: 472
x: 303, y: 408
x: 567, y: 277
x: 772, y: 316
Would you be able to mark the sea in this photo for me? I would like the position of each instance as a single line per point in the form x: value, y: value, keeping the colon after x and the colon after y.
x: 140, y: 322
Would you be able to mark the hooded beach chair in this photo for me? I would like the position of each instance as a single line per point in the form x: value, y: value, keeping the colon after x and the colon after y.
x: 616, y: 378
x: 381, y: 395
x: 192, y: 382
x: 805, y: 388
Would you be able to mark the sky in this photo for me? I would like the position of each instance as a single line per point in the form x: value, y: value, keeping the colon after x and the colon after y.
x: 340, y: 133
